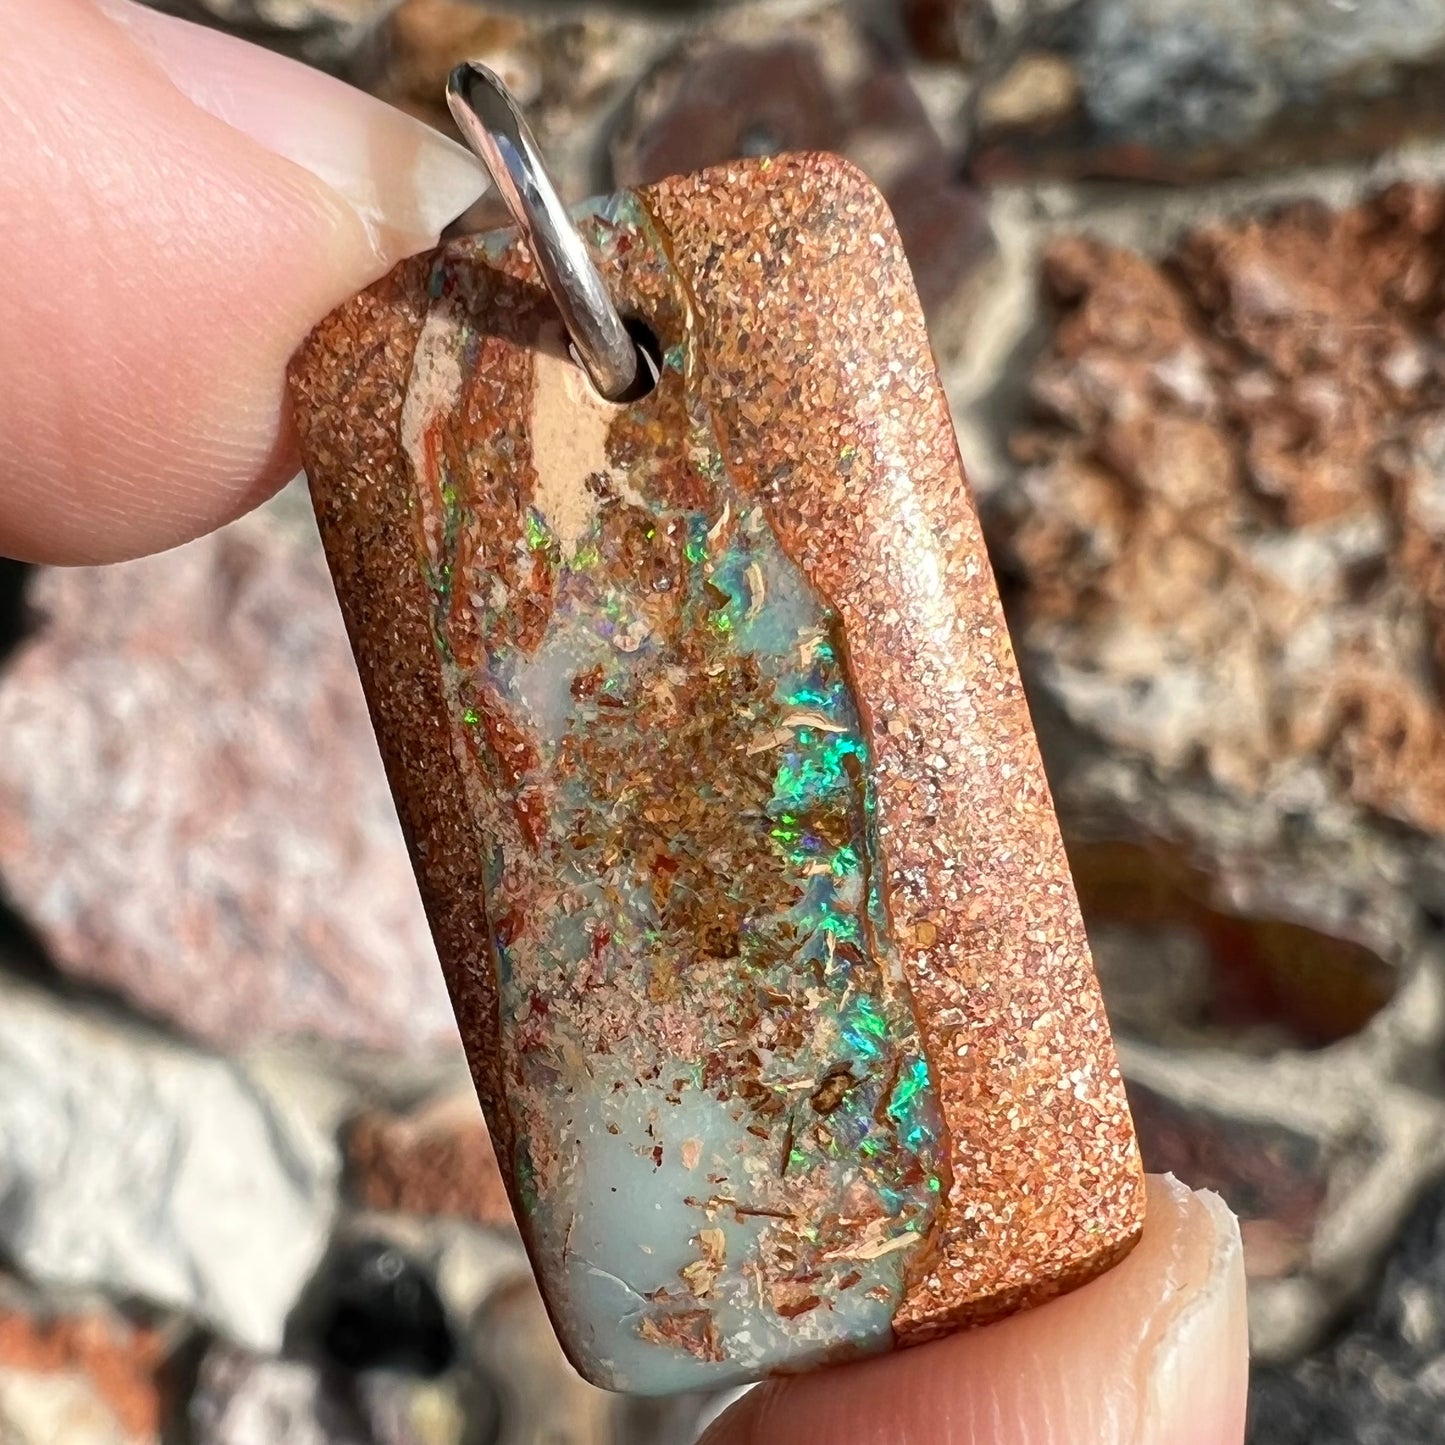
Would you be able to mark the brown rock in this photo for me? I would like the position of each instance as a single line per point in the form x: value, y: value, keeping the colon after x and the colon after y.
x: 1036, y: 90
x: 755, y: 87
x: 543, y: 1397
x: 942, y: 29
x: 1227, y: 512
x: 435, y: 1161
x: 1226, y: 556
x: 1180, y: 967
x: 426, y: 38
x: 568, y: 71
x: 192, y: 810
x: 1274, y: 1177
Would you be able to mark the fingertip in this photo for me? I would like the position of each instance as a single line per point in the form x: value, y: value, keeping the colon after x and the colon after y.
x: 161, y: 266
x: 1153, y: 1353
x: 1198, y: 1367
x: 404, y: 180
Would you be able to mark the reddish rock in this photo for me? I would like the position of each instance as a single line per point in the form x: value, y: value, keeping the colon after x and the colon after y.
x: 1274, y: 1177
x: 942, y: 30
x: 192, y: 809
x: 1179, y: 967
x: 1228, y: 533
x: 1226, y: 546
x: 435, y: 1161
x: 114, y: 1371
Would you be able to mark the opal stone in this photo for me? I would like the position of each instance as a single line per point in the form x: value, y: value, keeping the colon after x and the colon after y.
x: 705, y: 732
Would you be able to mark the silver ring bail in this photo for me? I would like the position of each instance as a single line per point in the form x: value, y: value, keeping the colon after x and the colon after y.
x: 493, y: 126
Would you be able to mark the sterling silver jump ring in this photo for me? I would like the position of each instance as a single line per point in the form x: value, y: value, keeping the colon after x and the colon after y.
x: 494, y: 128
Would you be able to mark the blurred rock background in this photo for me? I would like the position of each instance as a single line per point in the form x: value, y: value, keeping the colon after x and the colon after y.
x: 1184, y: 262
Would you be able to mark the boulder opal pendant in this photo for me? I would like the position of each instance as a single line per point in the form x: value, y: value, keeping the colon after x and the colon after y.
x: 705, y: 731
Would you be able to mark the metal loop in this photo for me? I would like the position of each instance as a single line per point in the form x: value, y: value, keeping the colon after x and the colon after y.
x: 494, y: 128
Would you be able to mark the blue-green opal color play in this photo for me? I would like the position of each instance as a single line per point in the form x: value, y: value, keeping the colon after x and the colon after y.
x: 726, y: 1141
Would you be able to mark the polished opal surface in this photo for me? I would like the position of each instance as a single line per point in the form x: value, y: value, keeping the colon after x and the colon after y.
x: 726, y: 1139
x: 703, y: 726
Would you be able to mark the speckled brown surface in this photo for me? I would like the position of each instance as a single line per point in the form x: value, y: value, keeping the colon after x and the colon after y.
x: 783, y: 284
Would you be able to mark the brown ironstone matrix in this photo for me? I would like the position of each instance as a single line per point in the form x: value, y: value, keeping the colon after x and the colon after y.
x: 707, y: 738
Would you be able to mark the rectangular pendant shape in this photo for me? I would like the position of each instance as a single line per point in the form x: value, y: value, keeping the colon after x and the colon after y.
x: 706, y: 734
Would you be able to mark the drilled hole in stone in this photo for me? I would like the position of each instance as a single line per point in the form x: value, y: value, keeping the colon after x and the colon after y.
x: 649, y: 360
x: 1175, y: 967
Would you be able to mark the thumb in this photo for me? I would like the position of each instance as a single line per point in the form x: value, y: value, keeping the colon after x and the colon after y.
x: 177, y: 209
x: 1152, y: 1353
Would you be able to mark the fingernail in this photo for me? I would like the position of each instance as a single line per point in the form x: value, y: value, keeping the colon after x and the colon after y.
x: 1194, y: 1352
x: 403, y: 179
x: 1155, y: 1352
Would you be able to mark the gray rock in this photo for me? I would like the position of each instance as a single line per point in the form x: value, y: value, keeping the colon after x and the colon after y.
x: 326, y: 33
x: 1171, y: 88
x: 1319, y: 1155
x: 243, y: 1399
x: 1381, y: 1382
x: 1186, y: 72
x: 145, y: 1168
x: 1176, y: 75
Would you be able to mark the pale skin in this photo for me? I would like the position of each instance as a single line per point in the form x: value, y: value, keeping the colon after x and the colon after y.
x: 176, y: 210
